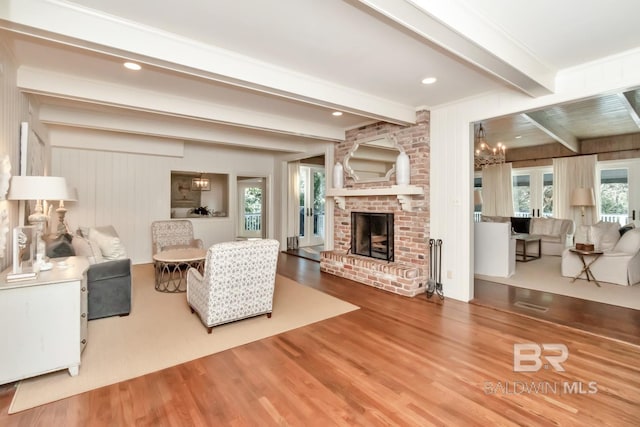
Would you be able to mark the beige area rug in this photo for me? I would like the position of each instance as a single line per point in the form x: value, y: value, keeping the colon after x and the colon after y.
x: 161, y: 332
x: 544, y: 274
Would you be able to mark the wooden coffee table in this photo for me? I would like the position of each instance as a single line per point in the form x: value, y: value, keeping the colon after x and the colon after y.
x: 525, y: 239
x: 586, y: 267
x: 171, y: 267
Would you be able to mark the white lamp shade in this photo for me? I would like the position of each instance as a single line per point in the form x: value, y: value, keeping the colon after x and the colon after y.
x: 583, y: 197
x: 39, y: 188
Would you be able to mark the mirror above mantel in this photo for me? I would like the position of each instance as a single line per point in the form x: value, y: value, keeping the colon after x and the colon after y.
x: 372, y: 159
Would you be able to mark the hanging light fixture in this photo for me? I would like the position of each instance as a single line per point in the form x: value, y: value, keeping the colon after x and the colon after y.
x: 485, y: 154
x: 200, y: 184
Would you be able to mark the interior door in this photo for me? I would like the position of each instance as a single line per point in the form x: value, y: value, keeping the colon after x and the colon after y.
x: 251, y: 209
x: 312, y: 198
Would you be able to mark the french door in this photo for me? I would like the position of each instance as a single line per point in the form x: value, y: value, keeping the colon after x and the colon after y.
x: 251, y: 207
x: 312, y: 190
x: 533, y: 192
x: 619, y: 191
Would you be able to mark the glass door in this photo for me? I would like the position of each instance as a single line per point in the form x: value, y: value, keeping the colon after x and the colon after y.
x: 251, y: 197
x: 533, y: 192
x: 312, y: 190
x: 619, y: 196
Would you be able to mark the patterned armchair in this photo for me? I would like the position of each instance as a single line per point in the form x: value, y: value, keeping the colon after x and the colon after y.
x: 238, y: 282
x: 173, y: 234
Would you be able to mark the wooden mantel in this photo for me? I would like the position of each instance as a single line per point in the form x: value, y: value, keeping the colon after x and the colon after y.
x: 403, y: 192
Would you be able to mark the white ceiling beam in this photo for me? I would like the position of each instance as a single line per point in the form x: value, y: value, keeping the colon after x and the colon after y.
x: 471, y: 38
x: 64, y: 86
x: 198, y: 131
x: 555, y: 131
x: 629, y: 101
x: 71, y: 24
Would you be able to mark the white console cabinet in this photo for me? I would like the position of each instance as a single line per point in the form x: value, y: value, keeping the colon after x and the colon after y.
x: 44, y: 321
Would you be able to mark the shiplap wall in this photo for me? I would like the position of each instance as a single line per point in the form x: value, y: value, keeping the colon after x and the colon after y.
x: 13, y: 110
x: 129, y: 190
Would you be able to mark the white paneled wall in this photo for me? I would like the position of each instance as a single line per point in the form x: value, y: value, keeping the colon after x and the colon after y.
x: 131, y: 190
x: 13, y: 110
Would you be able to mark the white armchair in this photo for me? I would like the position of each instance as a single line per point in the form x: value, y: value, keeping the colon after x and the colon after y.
x: 238, y: 282
x: 175, y: 234
x: 619, y: 265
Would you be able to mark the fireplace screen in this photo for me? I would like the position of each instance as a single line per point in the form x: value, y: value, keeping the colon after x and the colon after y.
x: 372, y: 235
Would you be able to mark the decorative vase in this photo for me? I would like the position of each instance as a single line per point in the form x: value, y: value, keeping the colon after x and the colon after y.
x: 403, y: 169
x: 338, y: 175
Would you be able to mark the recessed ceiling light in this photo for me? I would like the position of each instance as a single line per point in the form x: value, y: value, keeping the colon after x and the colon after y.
x: 429, y: 80
x: 337, y: 113
x: 132, y: 66
x: 519, y: 136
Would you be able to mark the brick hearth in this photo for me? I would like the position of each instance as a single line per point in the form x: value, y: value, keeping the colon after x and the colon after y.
x: 409, y: 273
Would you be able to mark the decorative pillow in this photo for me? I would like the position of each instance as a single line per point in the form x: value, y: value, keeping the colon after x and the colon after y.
x: 87, y: 248
x: 604, y: 235
x: 629, y: 243
x: 108, y: 242
x: 520, y: 225
x: 626, y: 228
x: 541, y: 226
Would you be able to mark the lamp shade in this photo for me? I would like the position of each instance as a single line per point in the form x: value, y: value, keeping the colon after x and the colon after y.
x: 39, y: 188
x: 477, y: 197
x: 583, y: 197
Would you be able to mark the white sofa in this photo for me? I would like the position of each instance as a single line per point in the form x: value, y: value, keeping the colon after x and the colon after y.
x: 555, y: 234
x: 494, y: 249
x: 619, y: 264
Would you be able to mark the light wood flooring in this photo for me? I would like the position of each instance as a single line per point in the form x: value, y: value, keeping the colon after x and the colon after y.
x: 396, y: 361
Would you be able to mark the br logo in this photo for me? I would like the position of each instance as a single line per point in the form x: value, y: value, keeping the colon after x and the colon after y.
x: 528, y: 357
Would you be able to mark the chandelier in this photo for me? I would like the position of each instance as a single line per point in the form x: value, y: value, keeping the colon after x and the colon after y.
x: 485, y: 154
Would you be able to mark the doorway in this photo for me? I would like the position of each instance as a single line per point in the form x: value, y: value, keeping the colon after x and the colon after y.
x: 312, y: 186
x: 251, y: 207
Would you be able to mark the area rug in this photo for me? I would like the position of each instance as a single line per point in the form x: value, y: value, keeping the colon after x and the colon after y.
x: 161, y: 332
x: 545, y: 275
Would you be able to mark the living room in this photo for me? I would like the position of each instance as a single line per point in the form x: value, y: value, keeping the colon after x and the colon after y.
x: 118, y: 136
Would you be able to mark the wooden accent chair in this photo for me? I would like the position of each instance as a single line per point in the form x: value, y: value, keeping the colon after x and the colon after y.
x: 238, y: 282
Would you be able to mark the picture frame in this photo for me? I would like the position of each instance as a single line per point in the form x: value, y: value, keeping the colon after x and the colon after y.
x: 182, y: 196
x: 24, y: 245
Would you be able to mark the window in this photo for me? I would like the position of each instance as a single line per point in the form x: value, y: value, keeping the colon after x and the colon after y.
x: 614, y: 195
x: 522, y: 195
x: 547, y: 194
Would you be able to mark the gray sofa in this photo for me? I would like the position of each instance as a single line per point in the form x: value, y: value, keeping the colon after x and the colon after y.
x: 108, y: 282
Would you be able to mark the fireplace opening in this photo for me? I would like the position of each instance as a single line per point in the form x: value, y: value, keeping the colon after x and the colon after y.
x: 372, y: 235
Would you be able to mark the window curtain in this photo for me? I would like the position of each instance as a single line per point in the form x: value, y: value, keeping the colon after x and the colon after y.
x: 497, y: 193
x: 293, y: 205
x: 570, y: 173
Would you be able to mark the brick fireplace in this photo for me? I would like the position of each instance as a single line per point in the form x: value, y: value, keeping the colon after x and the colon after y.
x: 407, y: 273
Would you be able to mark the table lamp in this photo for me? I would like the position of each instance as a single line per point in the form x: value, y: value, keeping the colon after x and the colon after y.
x: 582, y: 197
x: 38, y: 188
x: 62, y: 211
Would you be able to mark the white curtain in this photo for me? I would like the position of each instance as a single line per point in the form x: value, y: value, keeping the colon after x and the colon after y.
x: 497, y: 198
x: 293, y: 208
x: 570, y: 173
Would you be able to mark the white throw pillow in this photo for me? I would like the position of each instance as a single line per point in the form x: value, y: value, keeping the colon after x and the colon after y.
x: 605, y: 235
x: 87, y: 248
x: 108, y: 241
x: 629, y: 243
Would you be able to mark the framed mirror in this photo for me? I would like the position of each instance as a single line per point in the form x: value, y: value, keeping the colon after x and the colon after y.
x: 372, y: 160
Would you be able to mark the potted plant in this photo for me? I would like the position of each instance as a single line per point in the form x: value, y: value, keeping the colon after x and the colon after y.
x: 201, y: 211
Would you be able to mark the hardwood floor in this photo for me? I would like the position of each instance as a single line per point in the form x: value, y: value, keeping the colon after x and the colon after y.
x: 617, y: 323
x: 396, y: 361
